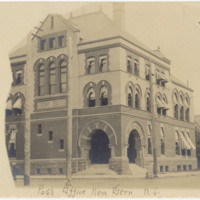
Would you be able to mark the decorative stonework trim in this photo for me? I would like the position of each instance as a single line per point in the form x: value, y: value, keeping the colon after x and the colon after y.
x: 85, y: 135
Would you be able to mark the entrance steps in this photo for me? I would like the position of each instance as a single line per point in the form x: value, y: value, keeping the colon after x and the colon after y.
x: 97, y: 169
x: 137, y: 171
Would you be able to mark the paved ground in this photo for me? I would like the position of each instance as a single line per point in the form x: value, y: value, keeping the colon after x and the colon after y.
x: 182, y: 184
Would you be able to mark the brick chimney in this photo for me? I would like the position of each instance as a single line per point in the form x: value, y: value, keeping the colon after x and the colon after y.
x: 119, y: 14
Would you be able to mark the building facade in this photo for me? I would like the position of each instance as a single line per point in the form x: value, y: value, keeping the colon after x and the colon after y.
x: 110, y: 97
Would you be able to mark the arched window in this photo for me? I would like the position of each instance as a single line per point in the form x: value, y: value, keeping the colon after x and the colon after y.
x: 102, y: 63
x: 137, y: 99
x: 176, y: 111
x: 165, y: 107
x: 63, y: 77
x: 17, y: 106
x: 90, y: 65
x: 182, y: 113
x: 104, y: 95
x: 187, y: 114
x: 129, y: 67
x: 130, y: 96
x: 52, y: 78
x: 148, y: 102
x: 91, y: 97
x: 136, y: 67
x: 41, y: 80
x: 8, y: 107
x: 159, y: 105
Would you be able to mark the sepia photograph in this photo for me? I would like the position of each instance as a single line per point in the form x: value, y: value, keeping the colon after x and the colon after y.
x: 100, y: 99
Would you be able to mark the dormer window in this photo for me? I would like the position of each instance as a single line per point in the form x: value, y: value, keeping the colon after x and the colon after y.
x: 42, y: 45
x: 61, y: 41
x: 51, y: 43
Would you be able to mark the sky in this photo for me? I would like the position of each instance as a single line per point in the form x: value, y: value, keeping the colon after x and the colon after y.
x: 171, y: 26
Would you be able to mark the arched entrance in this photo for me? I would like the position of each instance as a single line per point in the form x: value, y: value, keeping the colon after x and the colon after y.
x: 99, y: 151
x: 133, y: 151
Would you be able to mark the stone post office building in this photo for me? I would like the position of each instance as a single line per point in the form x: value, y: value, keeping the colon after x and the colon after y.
x: 111, y: 106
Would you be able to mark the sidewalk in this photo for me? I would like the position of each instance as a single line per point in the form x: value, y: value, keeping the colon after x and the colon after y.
x: 74, y: 176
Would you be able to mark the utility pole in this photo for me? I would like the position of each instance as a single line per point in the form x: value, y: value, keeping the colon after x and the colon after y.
x: 155, y: 172
x: 69, y: 116
x: 27, y: 111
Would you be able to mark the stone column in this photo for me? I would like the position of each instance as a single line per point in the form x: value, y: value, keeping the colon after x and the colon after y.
x: 112, y: 150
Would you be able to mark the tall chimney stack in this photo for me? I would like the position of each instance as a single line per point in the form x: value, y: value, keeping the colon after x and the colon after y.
x: 119, y: 14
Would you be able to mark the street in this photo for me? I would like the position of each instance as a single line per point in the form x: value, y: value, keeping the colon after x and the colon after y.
x: 170, y: 185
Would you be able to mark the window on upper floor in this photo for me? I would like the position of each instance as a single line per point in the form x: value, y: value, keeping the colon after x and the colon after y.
x: 17, y: 106
x: 182, y: 113
x: 149, y: 140
x: 61, y: 41
x: 129, y: 67
x: 104, y: 95
x: 52, y: 78
x: 91, y: 97
x: 63, y: 77
x: 161, y: 79
x: 176, y: 111
x: 187, y: 114
x: 9, y: 107
x: 177, y: 143
x: 136, y: 67
x: 102, y: 63
x: 148, y: 102
x: 130, y: 96
x: 42, y: 44
x: 52, y: 43
x: 19, y: 77
x: 147, y: 72
x: 137, y: 99
x: 41, y: 80
x: 91, y: 65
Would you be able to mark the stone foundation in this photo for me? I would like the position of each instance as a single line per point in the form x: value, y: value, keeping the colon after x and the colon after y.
x: 120, y: 165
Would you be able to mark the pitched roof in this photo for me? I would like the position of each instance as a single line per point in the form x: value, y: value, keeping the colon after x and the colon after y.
x: 19, y: 50
x: 97, y: 26
x: 178, y: 82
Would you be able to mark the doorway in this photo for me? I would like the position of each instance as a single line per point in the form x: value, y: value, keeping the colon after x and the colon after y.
x: 134, y: 143
x: 100, y: 151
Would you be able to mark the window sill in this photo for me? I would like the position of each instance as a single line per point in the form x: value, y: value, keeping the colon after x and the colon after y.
x: 40, y: 134
x: 61, y: 150
x: 50, y: 142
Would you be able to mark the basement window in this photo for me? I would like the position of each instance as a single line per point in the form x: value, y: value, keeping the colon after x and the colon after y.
x: 38, y: 171
x: 61, y: 170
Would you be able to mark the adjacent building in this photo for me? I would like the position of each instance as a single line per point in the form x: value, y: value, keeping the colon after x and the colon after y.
x: 111, y: 99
